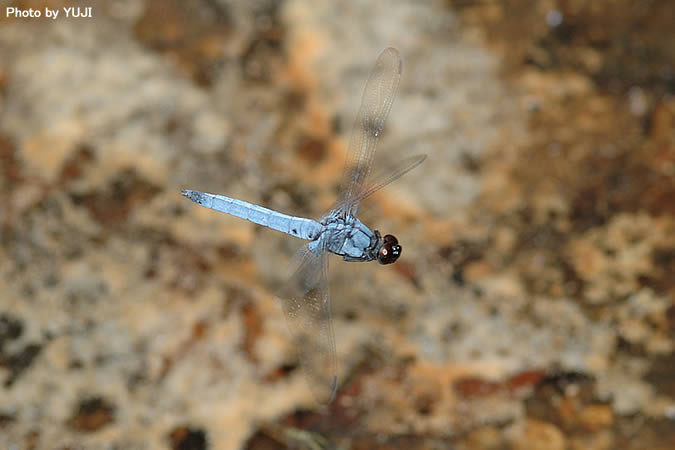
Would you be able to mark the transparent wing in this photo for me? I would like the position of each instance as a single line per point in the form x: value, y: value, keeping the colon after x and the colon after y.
x: 306, y: 305
x: 378, y: 96
x: 387, y: 175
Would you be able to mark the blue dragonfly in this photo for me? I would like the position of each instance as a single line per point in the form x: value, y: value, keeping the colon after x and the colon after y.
x: 304, y: 298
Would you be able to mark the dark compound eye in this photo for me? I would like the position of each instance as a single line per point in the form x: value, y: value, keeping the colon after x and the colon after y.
x: 389, y: 251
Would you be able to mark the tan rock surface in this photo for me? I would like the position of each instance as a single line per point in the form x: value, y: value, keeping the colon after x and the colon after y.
x: 533, y: 306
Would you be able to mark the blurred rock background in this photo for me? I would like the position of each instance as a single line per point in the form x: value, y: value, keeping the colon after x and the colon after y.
x: 533, y: 306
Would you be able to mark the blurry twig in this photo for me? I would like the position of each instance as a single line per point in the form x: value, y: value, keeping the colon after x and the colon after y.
x: 295, y: 438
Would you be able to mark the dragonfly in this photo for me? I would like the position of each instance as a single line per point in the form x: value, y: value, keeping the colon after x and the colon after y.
x: 304, y: 297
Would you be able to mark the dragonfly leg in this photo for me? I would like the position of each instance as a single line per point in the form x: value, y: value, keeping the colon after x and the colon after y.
x: 363, y: 258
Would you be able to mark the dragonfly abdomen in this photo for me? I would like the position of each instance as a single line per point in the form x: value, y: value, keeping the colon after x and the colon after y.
x: 300, y: 227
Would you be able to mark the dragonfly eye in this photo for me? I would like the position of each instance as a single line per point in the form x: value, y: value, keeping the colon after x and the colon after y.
x: 389, y: 251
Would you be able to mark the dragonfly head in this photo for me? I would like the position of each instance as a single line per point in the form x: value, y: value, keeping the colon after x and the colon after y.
x: 389, y: 251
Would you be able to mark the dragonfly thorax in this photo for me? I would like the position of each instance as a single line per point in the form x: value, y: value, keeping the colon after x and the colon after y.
x: 349, y: 238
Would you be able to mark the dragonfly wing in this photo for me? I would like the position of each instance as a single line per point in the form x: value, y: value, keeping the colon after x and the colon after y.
x: 387, y: 175
x: 378, y: 96
x: 306, y: 305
